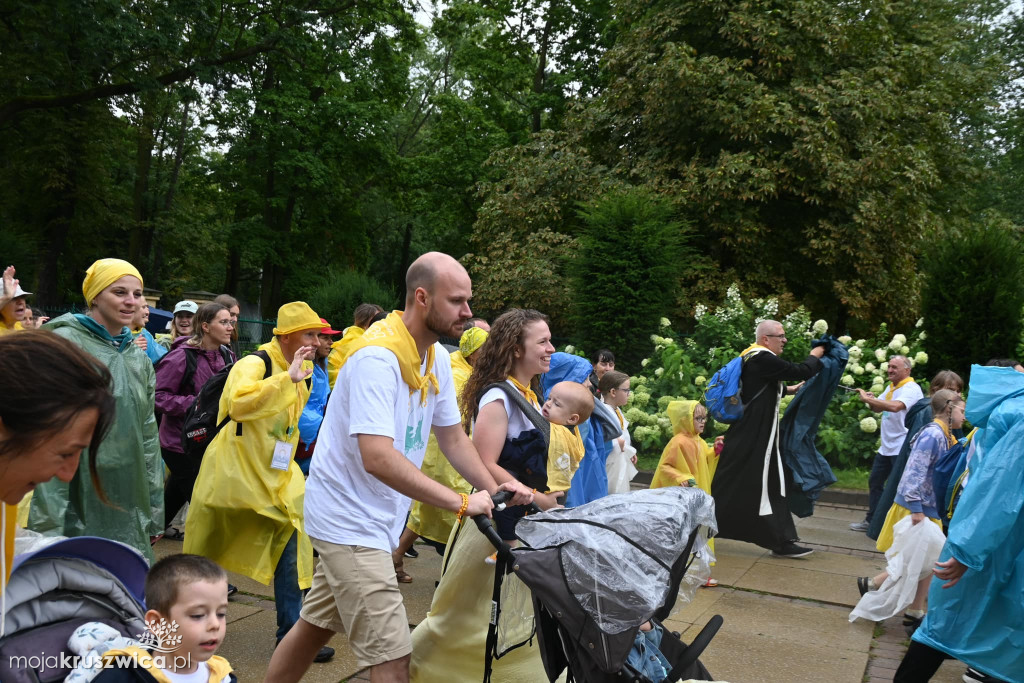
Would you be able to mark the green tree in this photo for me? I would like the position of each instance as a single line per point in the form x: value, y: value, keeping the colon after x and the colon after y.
x: 814, y: 145
x: 631, y: 256
x: 973, y: 297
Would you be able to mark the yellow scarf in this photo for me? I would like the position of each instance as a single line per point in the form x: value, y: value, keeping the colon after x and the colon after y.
x: 618, y: 414
x: 525, y: 391
x: 754, y: 347
x: 893, y: 388
x: 392, y: 334
x: 945, y: 430
x: 564, y: 455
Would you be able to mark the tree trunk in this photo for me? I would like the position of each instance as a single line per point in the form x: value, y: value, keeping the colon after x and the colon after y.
x: 540, y: 75
x: 137, y: 240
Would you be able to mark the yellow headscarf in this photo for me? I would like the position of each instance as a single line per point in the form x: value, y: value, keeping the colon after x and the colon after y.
x: 392, y: 334
x: 295, y: 317
x: 102, y: 274
x: 471, y: 340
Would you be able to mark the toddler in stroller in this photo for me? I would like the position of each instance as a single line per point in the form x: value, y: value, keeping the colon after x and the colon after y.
x: 602, y: 577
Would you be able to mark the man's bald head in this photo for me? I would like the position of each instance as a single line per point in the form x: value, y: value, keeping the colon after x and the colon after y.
x: 767, y: 327
x: 425, y: 271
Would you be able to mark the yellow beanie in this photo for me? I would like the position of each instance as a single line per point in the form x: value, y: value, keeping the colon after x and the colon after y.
x: 471, y: 340
x: 295, y: 317
x: 104, y: 273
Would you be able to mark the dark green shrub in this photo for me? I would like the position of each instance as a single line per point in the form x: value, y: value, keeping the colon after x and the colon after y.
x: 341, y: 291
x: 972, y: 298
x: 625, y: 274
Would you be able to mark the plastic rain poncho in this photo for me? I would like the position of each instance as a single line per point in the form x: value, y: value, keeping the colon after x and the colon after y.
x: 980, y: 620
x: 243, y: 511
x: 129, y: 464
x: 798, y: 431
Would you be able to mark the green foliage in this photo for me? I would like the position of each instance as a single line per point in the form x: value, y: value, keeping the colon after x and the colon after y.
x: 335, y: 296
x: 974, y: 297
x: 630, y: 247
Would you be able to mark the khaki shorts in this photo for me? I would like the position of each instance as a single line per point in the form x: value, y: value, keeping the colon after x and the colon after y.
x: 355, y: 590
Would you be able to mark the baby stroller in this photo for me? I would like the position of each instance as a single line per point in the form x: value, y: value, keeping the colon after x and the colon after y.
x: 55, y: 590
x: 594, y: 575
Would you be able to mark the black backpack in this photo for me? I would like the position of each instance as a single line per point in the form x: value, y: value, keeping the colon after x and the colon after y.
x: 201, y: 417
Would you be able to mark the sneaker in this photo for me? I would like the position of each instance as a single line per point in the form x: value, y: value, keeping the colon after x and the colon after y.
x: 412, y: 552
x: 911, y: 624
x: 860, y: 526
x: 975, y: 676
x: 324, y: 655
x: 790, y: 549
x: 863, y: 584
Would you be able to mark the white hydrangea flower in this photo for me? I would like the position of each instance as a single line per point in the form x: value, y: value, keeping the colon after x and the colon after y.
x: 664, y: 422
x: 733, y: 293
x: 644, y: 362
x: 921, y: 337
x: 638, y: 380
x: 901, y: 337
x: 884, y: 366
x: 819, y: 327
x: 700, y: 380
x: 921, y: 357
x: 862, y: 343
x: 634, y: 415
x: 869, y: 425
x: 846, y: 380
x: 857, y: 370
x: 658, y: 372
x: 895, y: 344
x: 845, y: 340
x: 700, y: 311
x: 920, y: 321
x: 870, y: 367
x: 664, y: 322
x: 654, y: 338
x: 855, y: 352
x: 569, y: 348
x: 904, y: 350
x: 881, y: 355
x: 876, y: 389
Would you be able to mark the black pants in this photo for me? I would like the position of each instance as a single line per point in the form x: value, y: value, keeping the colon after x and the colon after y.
x: 919, y: 664
x: 178, y: 487
x: 880, y: 471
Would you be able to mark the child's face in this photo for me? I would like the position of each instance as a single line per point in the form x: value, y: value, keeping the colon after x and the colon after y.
x: 201, y: 613
x: 556, y: 409
x: 700, y: 418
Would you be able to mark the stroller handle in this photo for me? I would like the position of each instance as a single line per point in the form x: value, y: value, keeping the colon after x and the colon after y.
x: 487, y: 528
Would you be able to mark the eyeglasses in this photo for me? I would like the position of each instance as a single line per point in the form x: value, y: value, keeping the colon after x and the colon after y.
x: 625, y: 391
x: 782, y: 336
x: 700, y: 419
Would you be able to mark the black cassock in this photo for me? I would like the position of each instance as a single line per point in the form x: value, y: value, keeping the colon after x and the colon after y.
x: 750, y: 482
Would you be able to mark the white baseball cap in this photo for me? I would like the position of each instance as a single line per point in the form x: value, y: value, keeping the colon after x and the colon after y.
x: 18, y: 291
x: 186, y: 307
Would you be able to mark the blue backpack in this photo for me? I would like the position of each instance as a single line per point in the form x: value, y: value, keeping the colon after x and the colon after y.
x: 948, y: 468
x: 723, y: 394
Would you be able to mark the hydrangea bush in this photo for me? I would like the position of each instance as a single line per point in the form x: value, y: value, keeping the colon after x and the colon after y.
x: 679, y: 368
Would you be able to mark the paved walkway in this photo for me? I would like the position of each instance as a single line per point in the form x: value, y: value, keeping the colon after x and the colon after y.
x: 785, y: 619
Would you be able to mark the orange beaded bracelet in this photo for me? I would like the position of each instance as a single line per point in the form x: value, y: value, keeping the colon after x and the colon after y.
x: 465, y: 504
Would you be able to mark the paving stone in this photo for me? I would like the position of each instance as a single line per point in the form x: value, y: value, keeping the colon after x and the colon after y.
x: 807, y: 583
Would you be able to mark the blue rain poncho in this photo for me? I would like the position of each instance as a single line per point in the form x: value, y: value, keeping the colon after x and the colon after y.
x: 799, y: 429
x: 980, y: 620
x: 591, y: 479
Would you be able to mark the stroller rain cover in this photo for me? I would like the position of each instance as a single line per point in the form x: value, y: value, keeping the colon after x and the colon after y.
x: 621, y: 558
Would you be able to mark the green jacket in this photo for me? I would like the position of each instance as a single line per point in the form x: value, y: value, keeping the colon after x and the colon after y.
x: 129, y: 463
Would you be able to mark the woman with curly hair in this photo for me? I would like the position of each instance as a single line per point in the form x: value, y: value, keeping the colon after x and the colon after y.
x: 450, y: 644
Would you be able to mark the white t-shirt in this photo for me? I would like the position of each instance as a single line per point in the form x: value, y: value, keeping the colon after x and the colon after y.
x: 893, y: 430
x: 345, y: 504
x: 200, y: 675
x: 517, y: 420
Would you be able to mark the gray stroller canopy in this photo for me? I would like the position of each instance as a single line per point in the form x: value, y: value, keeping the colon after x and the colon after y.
x: 616, y: 553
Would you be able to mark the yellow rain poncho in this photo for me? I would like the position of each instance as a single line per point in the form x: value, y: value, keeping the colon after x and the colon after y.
x: 564, y: 455
x: 340, y: 351
x: 5, y: 328
x: 425, y: 520
x: 686, y: 456
x: 243, y: 511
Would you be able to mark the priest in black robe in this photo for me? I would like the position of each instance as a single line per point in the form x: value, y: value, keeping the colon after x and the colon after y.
x: 750, y: 482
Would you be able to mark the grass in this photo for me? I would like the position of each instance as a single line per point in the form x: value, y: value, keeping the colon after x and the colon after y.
x: 853, y: 478
x: 647, y: 463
